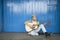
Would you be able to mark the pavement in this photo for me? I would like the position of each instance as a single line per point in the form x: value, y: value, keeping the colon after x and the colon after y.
x: 25, y: 36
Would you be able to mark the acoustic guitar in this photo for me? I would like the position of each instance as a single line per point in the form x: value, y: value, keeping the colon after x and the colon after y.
x: 33, y: 26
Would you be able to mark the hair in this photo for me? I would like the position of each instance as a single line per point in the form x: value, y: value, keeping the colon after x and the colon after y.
x: 33, y: 15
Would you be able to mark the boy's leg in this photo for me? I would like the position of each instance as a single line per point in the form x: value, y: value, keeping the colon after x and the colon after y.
x: 43, y: 28
x: 40, y: 27
x: 33, y: 33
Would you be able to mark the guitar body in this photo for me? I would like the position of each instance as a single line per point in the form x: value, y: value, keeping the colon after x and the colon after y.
x: 28, y: 29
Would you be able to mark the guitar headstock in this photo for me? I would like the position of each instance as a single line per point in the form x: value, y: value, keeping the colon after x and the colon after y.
x: 48, y: 22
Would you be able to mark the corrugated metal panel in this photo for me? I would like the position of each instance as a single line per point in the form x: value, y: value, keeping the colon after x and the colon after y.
x: 16, y: 12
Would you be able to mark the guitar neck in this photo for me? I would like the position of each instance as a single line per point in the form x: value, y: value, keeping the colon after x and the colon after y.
x: 46, y: 23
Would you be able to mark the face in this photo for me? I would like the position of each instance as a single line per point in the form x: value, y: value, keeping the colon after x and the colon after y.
x: 34, y: 18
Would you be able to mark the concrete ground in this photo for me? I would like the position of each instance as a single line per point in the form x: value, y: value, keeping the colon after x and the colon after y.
x: 25, y: 36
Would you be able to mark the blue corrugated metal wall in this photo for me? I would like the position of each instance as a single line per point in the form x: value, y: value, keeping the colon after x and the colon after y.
x: 14, y: 22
